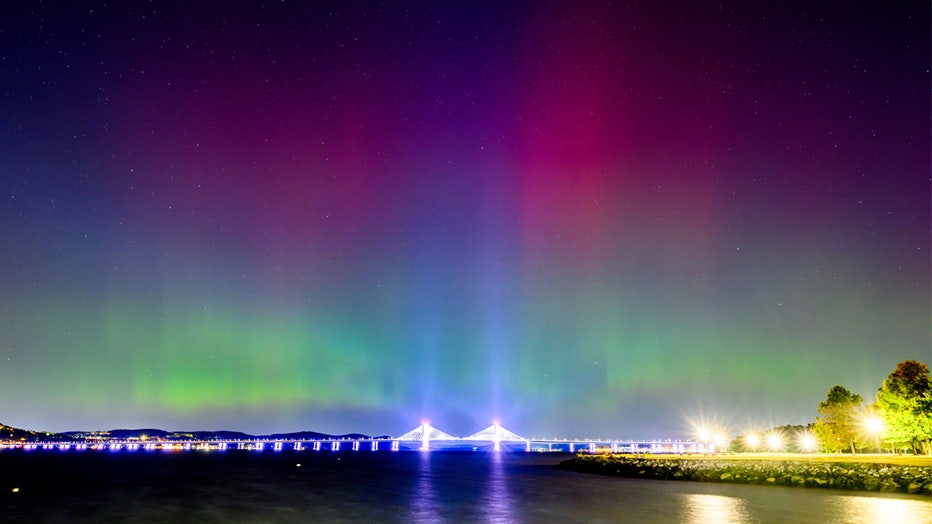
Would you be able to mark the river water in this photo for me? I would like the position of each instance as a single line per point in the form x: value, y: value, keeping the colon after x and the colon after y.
x: 95, y: 486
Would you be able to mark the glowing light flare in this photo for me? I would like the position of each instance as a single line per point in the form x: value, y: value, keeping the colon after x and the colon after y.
x: 709, y: 432
x: 807, y: 442
x: 752, y: 441
x: 711, y: 436
x: 874, y: 425
x: 774, y: 442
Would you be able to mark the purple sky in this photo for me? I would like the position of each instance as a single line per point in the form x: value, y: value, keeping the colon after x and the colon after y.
x: 581, y: 219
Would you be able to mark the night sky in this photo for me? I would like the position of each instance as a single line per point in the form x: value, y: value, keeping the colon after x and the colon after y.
x: 580, y: 219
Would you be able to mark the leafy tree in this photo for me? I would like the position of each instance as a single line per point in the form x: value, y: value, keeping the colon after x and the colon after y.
x: 905, y: 401
x: 835, y: 427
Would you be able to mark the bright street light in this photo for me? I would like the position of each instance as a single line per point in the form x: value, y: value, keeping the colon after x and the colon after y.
x: 807, y: 442
x: 774, y: 442
x: 875, y: 427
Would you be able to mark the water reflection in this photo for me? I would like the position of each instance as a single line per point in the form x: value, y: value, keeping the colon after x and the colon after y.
x: 496, y: 501
x: 715, y: 509
x: 875, y: 510
x: 425, y: 504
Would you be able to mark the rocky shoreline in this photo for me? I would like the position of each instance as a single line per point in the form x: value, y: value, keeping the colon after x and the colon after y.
x: 837, y: 475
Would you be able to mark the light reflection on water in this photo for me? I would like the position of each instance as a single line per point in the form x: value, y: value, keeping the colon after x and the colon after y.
x: 717, y: 509
x: 497, y: 499
x: 479, y: 492
x: 873, y: 510
x: 425, y: 504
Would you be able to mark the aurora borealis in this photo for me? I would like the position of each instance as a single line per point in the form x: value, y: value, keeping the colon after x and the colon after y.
x: 580, y: 219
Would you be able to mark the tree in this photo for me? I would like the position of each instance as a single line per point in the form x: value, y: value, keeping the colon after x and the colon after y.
x: 835, y: 427
x: 905, y: 401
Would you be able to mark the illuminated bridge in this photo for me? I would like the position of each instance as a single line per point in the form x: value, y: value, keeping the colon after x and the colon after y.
x: 423, y: 437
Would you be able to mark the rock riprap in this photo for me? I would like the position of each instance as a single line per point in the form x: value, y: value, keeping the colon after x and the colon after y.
x: 837, y: 475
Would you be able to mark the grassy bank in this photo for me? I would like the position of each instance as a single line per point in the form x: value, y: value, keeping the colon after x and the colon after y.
x: 888, y: 473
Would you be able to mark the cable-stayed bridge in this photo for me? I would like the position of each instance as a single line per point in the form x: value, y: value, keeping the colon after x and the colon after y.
x: 494, y: 434
x: 423, y: 437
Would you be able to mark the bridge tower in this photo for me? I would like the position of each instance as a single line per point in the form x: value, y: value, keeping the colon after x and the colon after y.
x: 497, y: 434
x: 425, y: 433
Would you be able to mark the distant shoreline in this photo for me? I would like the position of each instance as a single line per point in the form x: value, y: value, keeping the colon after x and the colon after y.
x: 890, y: 474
